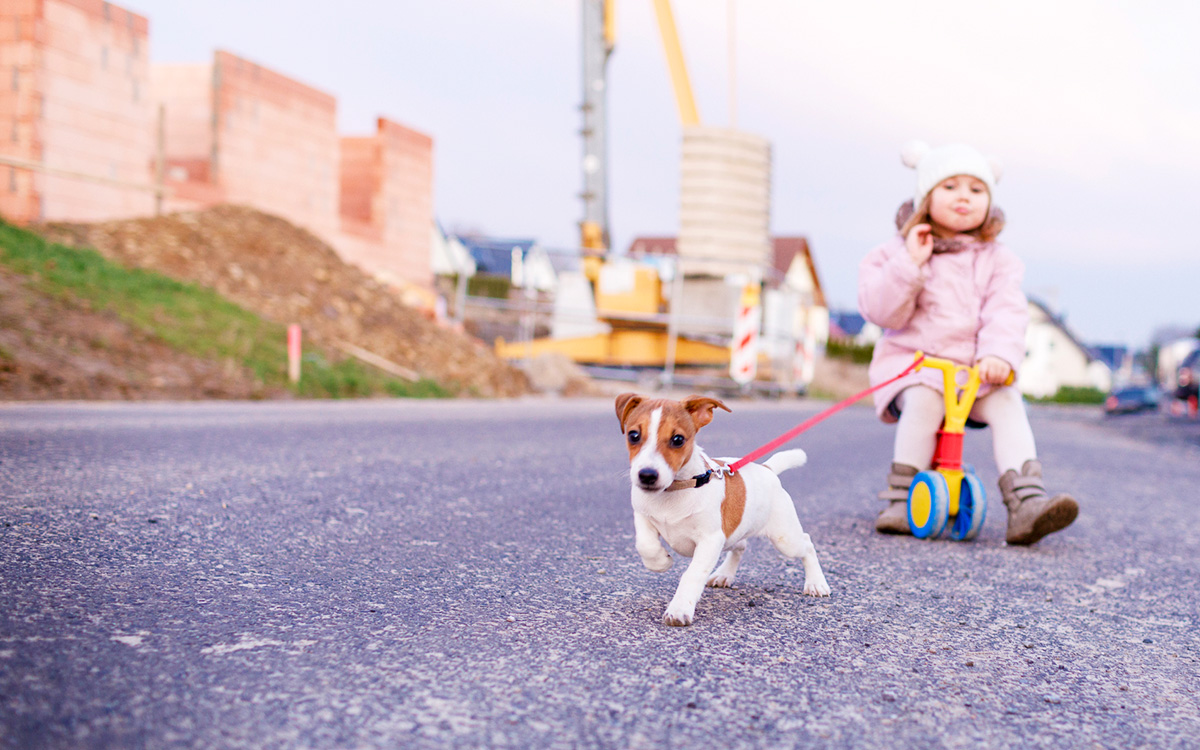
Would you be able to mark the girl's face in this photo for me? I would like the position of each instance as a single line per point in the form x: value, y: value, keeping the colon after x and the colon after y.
x: 958, y: 204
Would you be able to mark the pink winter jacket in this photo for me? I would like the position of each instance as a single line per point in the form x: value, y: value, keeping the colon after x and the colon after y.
x: 961, y: 306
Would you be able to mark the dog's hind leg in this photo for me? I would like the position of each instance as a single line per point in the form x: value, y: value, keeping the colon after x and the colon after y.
x: 722, y: 577
x: 789, y: 538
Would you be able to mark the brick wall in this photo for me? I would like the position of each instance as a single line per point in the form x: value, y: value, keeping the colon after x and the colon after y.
x: 387, y: 202
x: 20, y: 103
x: 185, y: 91
x: 359, y: 184
x: 77, y: 99
x: 276, y: 144
x: 408, y: 180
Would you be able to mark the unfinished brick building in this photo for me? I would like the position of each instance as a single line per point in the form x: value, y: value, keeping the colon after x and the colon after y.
x: 79, y: 97
x: 237, y: 132
x: 74, y: 96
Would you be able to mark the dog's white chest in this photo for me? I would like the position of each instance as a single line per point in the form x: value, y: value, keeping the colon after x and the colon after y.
x: 682, y: 536
x: 681, y: 518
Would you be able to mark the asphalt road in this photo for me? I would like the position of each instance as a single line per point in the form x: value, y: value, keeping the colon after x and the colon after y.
x: 462, y: 574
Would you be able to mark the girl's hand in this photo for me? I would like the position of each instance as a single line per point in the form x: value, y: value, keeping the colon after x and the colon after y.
x: 920, y: 243
x: 993, y: 370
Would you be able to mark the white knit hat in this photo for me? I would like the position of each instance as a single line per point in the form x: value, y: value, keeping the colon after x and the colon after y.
x: 936, y: 164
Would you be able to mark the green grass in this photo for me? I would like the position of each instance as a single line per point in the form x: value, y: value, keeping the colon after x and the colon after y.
x: 856, y: 353
x: 1070, y: 394
x: 190, y: 318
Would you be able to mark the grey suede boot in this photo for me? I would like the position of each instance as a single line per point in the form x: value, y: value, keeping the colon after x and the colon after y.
x: 894, y: 518
x: 1031, y: 514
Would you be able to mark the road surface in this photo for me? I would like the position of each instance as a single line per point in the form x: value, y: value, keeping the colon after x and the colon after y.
x: 462, y: 574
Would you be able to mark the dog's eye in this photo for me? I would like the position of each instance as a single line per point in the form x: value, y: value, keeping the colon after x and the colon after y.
x: 635, y: 437
x: 677, y: 441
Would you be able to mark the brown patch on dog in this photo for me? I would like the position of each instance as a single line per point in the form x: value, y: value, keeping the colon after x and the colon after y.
x: 675, y: 421
x: 626, y: 403
x: 734, y: 503
x: 701, y: 409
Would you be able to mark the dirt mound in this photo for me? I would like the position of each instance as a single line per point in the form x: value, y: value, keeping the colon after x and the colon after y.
x: 288, y: 275
x: 557, y: 373
x: 52, y: 348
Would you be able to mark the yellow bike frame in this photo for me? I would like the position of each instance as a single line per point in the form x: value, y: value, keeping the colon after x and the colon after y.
x: 959, y: 400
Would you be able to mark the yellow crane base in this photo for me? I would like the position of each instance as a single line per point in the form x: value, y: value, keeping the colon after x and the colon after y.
x: 629, y: 348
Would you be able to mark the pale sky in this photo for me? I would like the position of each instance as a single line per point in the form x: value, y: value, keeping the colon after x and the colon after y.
x: 1092, y: 107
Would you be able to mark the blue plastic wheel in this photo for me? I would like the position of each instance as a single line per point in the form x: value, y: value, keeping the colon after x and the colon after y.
x: 928, y: 505
x: 972, y: 509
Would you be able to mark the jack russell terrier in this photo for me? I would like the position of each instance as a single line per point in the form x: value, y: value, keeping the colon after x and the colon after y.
x: 698, y: 508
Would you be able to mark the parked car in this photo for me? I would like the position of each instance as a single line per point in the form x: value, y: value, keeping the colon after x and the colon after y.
x: 1132, y: 398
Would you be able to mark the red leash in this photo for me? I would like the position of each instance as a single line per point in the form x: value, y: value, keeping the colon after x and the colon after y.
x: 759, y: 452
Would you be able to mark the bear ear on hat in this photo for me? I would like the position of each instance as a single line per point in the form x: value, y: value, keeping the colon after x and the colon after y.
x: 913, y: 152
x: 997, y: 168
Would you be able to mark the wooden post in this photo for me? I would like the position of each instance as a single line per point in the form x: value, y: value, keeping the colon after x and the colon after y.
x: 160, y: 159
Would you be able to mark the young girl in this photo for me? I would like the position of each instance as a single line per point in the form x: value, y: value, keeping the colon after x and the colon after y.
x: 944, y: 285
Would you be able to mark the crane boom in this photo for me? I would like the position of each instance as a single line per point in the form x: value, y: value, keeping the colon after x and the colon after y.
x: 688, y: 114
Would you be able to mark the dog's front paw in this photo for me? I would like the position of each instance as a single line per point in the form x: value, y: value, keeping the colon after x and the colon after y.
x: 678, y: 615
x: 816, y: 586
x: 658, y: 563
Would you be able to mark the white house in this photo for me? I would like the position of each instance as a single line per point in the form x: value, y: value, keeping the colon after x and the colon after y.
x: 1170, y: 356
x: 1055, y: 358
x: 449, y: 257
x: 523, y: 262
x: 795, y: 313
x: 452, y: 265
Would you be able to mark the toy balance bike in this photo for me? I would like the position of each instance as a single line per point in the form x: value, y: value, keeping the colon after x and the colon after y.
x: 949, y: 490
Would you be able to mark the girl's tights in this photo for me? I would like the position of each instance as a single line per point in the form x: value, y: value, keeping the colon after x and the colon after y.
x: 922, y: 410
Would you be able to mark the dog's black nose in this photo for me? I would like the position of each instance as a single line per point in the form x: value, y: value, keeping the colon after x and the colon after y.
x: 647, y: 477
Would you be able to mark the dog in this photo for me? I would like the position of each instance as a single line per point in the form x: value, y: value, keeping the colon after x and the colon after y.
x: 700, y: 509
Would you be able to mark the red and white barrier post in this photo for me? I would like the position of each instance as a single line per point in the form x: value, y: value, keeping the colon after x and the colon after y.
x: 805, y: 363
x: 743, y: 362
x: 293, y: 347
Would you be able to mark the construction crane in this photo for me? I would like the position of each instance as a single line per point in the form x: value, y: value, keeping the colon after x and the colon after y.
x: 599, y: 38
x: 627, y: 297
x: 688, y: 114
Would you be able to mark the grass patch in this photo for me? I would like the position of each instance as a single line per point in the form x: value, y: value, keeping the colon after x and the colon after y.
x: 1070, y: 394
x: 190, y: 318
x: 859, y: 354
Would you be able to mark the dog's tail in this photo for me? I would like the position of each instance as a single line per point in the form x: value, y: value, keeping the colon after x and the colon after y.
x: 784, y: 460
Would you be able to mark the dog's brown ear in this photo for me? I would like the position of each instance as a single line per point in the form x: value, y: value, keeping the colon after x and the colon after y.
x: 701, y: 409
x: 625, y: 404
